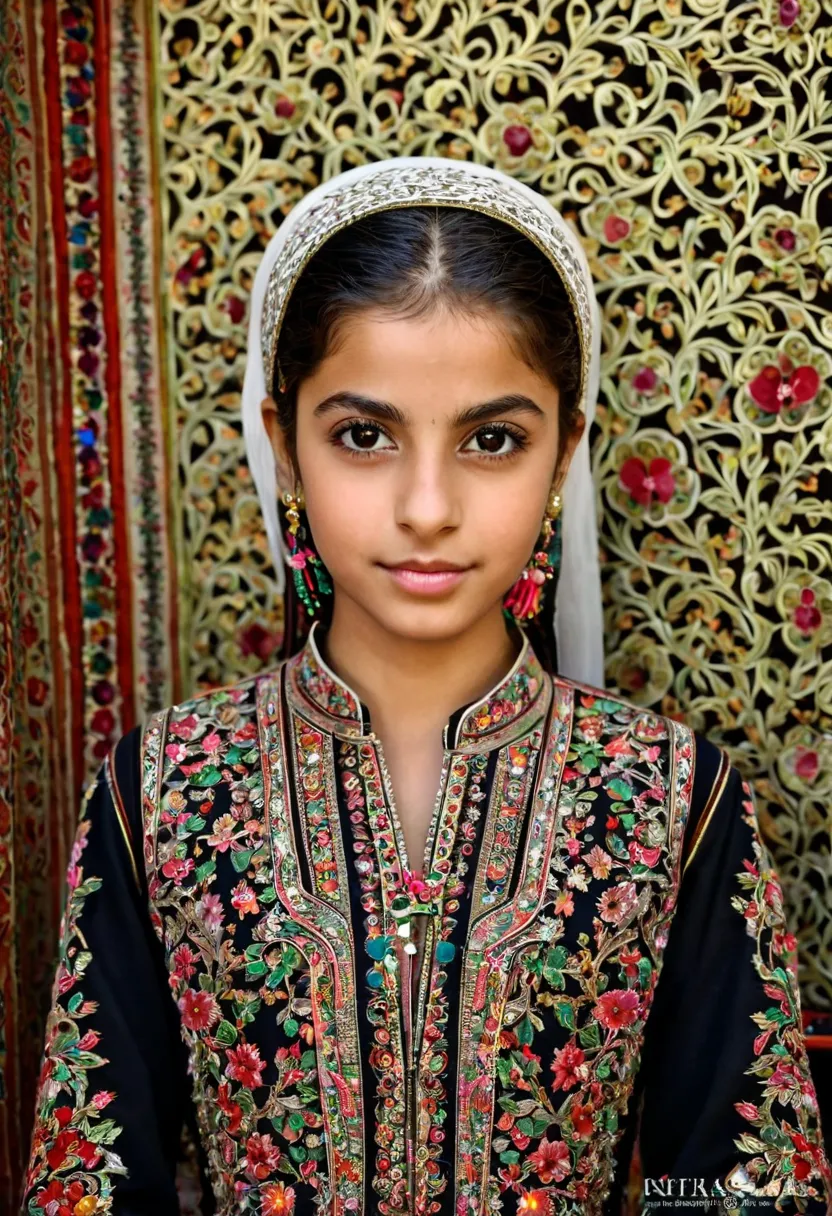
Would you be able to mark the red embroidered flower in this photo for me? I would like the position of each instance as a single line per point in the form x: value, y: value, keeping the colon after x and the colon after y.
x: 278, y: 1199
x: 178, y: 868
x: 536, y: 1202
x: 643, y: 484
x: 244, y: 900
x: 229, y: 1108
x: 244, y: 1065
x: 199, y: 1010
x: 807, y: 615
x: 518, y: 139
x: 645, y: 380
x: 262, y: 1157
x: 617, y: 1008
x: 776, y: 388
x: 567, y: 1067
x: 616, y: 228
x: 582, y: 1121
x: 806, y: 764
x: 70, y: 1144
x: 183, y: 962
x: 550, y: 1161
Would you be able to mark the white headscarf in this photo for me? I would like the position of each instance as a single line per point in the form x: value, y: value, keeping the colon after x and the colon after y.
x: 578, y: 624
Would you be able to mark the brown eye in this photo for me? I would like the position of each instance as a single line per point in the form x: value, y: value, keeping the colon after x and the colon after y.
x: 363, y: 437
x: 494, y: 441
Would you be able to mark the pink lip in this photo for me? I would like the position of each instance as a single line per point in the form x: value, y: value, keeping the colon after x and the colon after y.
x: 421, y: 580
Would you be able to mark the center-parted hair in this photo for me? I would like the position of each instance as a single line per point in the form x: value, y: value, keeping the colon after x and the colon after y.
x: 413, y: 261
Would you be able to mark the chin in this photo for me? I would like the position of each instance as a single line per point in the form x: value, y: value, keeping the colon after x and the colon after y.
x: 435, y: 622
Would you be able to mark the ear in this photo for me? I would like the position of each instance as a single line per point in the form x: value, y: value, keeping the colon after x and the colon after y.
x: 569, y: 446
x: 286, y: 476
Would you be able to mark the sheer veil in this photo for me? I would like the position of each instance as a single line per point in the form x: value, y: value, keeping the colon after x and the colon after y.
x: 431, y: 181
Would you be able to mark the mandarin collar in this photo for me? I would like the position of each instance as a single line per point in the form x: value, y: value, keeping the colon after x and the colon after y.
x: 505, y: 709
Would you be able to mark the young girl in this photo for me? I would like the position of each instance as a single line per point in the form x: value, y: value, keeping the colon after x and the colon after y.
x: 411, y: 923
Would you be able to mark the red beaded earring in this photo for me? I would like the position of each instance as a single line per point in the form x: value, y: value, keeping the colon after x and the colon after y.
x: 524, y: 600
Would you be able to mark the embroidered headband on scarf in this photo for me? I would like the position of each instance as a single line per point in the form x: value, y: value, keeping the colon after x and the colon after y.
x: 424, y: 182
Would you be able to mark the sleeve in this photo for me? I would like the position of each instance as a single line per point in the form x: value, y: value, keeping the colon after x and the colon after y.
x: 729, y: 1106
x: 113, y: 1094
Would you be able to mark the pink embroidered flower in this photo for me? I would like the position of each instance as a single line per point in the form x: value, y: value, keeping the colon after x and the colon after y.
x: 617, y: 1008
x: 599, y: 861
x: 643, y: 484
x: 211, y: 742
x: 278, y: 1199
x: 183, y: 962
x: 262, y: 1157
x: 747, y: 1109
x: 518, y: 139
x: 567, y: 1067
x: 806, y: 763
x: 176, y: 752
x: 784, y: 387
x: 616, y: 228
x: 550, y: 1161
x: 645, y: 380
x: 210, y: 910
x: 244, y: 1065
x: 199, y: 1010
x: 178, y: 868
x: 807, y: 615
x: 618, y: 902
x: 244, y: 899
x: 184, y: 727
x: 103, y: 1098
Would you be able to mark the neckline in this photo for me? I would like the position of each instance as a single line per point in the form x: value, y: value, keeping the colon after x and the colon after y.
x: 502, y: 711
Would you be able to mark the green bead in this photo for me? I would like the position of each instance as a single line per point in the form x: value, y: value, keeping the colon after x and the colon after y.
x: 445, y: 951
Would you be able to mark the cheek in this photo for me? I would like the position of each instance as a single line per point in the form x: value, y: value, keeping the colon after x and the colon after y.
x: 344, y: 513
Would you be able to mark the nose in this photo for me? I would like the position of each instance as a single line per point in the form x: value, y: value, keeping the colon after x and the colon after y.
x: 428, y: 499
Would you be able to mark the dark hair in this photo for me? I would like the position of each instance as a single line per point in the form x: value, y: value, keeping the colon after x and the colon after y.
x: 411, y: 260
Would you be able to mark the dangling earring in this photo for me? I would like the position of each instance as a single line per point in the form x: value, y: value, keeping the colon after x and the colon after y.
x: 524, y: 600
x: 309, y: 573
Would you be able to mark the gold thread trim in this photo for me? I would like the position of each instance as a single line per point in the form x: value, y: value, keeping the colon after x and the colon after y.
x: 121, y: 815
x: 717, y: 790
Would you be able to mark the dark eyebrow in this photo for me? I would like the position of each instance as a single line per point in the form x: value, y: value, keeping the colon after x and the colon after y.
x: 510, y: 403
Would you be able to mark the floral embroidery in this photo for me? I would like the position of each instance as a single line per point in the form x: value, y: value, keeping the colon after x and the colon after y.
x: 784, y: 1149
x: 72, y: 1166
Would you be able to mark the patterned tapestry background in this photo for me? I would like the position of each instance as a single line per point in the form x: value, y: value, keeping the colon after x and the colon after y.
x: 149, y: 150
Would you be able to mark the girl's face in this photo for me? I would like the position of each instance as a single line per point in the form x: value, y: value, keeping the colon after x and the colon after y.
x: 426, y: 449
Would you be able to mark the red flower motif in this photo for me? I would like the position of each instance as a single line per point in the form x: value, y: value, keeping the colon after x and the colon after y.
x: 786, y: 239
x: 806, y: 763
x: 582, y: 1121
x: 518, y: 139
x: 643, y: 484
x: 262, y: 1157
x: 616, y: 228
x: 259, y: 641
x: 244, y: 1065
x: 550, y: 1161
x: 199, y: 1010
x: 284, y: 107
x: 617, y: 1008
x: 229, y: 1108
x: 785, y: 386
x: 645, y: 380
x: 278, y: 1199
x: 566, y: 1067
x: 807, y: 615
x: 178, y: 868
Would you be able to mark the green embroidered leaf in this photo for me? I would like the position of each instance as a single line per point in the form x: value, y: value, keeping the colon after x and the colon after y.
x: 590, y: 1036
x: 291, y: 1026
x: 296, y: 1151
x: 194, y: 823
x: 556, y: 960
x: 226, y: 1034
x: 628, y: 820
x: 106, y: 1132
x: 510, y: 1157
x: 267, y: 896
x: 240, y: 860
x: 206, y: 870
x: 602, y: 1069
x: 233, y: 754
x: 524, y: 1031
x: 615, y: 845
x: 565, y: 1014
x: 206, y: 776
x: 620, y: 788
x: 254, y: 971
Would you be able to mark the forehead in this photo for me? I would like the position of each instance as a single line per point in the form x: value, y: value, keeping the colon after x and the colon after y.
x: 439, y: 360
